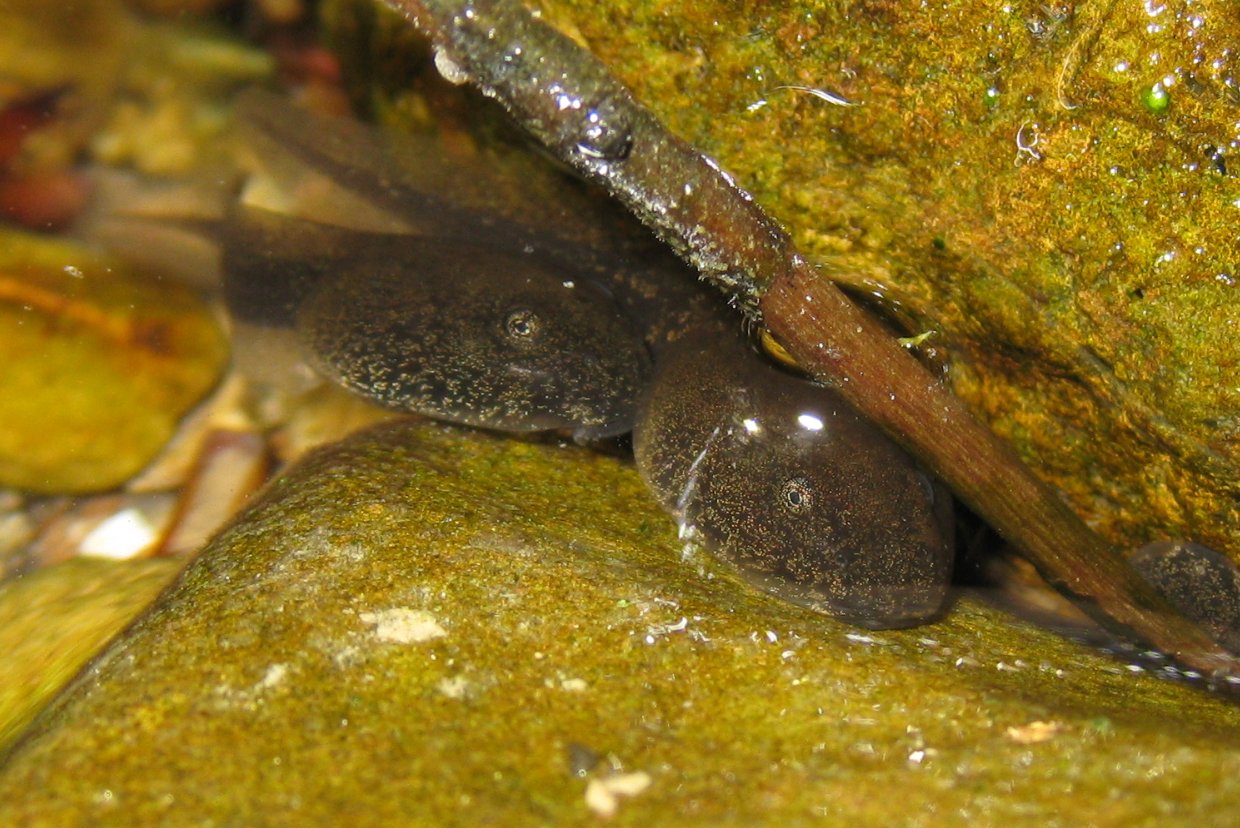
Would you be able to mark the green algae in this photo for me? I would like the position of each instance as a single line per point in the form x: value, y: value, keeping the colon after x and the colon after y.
x: 424, y: 624
x: 53, y: 620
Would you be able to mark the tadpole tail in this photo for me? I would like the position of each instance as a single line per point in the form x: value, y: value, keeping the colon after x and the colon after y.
x: 569, y: 101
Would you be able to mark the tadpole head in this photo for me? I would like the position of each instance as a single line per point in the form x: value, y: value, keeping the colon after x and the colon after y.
x: 807, y: 500
x: 478, y: 336
x: 816, y: 506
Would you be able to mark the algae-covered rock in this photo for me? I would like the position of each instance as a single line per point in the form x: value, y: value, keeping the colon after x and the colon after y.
x: 97, y: 365
x: 1049, y: 189
x: 53, y: 620
x: 425, y: 625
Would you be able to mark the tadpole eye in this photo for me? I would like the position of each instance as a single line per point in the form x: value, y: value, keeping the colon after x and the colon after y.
x: 522, y: 323
x: 797, y: 496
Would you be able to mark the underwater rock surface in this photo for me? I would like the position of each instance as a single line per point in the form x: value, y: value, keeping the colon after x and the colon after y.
x: 53, y: 620
x: 434, y: 625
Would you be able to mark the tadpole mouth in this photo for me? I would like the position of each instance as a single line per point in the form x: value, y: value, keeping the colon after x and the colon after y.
x: 891, y: 607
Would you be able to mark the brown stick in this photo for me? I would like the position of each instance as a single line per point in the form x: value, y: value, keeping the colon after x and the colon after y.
x: 569, y: 101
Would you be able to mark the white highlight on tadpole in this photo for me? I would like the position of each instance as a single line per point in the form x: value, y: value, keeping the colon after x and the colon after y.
x: 810, y: 422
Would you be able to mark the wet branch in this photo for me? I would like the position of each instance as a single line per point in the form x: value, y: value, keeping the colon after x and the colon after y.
x: 570, y: 102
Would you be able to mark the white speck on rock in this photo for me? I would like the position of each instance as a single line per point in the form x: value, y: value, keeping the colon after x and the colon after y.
x: 454, y: 688
x: 274, y: 676
x: 1033, y: 732
x: 603, y: 795
x: 401, y: 625
x: 346, y: 656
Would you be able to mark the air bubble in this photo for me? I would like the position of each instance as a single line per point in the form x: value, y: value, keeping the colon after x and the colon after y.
x: 603, y: 140
x: 449, y: 69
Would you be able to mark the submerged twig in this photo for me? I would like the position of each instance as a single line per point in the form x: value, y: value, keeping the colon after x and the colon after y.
x: 570, y: 102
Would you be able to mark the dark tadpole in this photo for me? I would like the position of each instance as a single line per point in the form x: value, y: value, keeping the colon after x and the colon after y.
x: 450, y: 328
x: 479, y: 336
x: 784, y: 480
x: 1199, y: 582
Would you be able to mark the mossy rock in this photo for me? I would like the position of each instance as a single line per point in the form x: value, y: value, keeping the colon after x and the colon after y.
x: 426, y: 625
x: 53, y: 620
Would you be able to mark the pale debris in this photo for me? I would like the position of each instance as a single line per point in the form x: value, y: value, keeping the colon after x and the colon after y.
x: 603, y: 794
x: 402, y: 625
x: 224, y: 410
x: 232, y: 466
x: 1032, y: 733
x: 126, y: 534
x: 274, y: 676
x: 455, y: 687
